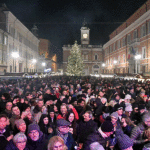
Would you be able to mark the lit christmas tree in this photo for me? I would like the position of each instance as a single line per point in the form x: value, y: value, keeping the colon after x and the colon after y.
x: 75, y: 62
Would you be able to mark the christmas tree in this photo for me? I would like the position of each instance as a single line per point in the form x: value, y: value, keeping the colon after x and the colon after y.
x: 75, y: 62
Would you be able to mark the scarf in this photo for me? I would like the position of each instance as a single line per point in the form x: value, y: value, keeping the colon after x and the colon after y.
x: 63, y: 136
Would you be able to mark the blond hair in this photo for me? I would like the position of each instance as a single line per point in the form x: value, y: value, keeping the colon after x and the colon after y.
x: 55, y: 139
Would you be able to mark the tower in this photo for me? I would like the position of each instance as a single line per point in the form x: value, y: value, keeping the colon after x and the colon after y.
x: 85, y: 34
x: 35, y: 30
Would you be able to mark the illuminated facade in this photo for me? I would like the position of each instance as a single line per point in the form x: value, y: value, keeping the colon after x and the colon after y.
x: 128, y: 50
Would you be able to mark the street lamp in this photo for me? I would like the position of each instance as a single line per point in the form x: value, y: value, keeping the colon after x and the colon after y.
x: 137, y: 57
x: 34, y: 61
x: 43, y: 64
x: 15, y: 55
x: 115, y: 62
x: 103, y: 65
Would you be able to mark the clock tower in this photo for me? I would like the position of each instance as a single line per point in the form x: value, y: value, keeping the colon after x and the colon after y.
x: 85, y: 32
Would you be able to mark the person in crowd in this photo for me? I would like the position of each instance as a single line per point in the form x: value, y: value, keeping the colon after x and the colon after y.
x: 8, y: 110
x: 62, y: 130
x: 101, y: 135
x: 127, y: 125
x: 56, y: 142
x: 5, y: 132
x: 18, y: 142
x: 137, y: 132
x: 64, y: 111
x: 35, y: 138
x: 73, y: 124
x: 44, y: 125
x: 124, y: 142
x: 15, y: 115
x: 20, y: 126
x: 87, y: 124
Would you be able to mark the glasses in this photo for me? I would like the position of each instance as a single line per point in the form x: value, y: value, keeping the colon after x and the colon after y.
x: 21, y: 142
x: 36, y: 132
x: 64, y: 126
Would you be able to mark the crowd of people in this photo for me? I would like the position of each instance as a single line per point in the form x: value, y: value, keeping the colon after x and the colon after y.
x: 70, y: 113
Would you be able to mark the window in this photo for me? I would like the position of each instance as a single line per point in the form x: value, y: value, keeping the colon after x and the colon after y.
x: 143, y: 52
x: 110, y: 47
x: 149, y: 26
x: 123, y: 41
x: 135, y: 34
x: 96, y: 56
x: 111, y: 61
x: 143, y: 30
x: 96, y: 66
x: 114, y: 47
x: 20, y: 51
x: 5, y: 40
x: 128, y: 38
x: 119, y: 44
x: 124, y: 58
x: 86, y: 57
x: 1, y: 38
x: 118, y: 59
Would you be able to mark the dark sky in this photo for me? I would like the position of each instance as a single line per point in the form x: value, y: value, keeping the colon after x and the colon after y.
x: 60, y: 21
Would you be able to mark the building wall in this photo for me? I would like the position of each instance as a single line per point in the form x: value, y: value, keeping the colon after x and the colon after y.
x: 20, y: 40
x: 140, y: 22
x: 44, y: 46
x: 88, y: 52
x: 54, y: 63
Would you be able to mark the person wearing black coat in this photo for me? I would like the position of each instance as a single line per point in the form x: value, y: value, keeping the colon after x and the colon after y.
x: 36, y: 139
x: 86, y: 127
x: 101, y: 135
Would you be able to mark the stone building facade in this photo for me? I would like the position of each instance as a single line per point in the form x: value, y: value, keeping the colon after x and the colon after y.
x: 128, y: 41
x: 91, y: 54
x: 20, y: 40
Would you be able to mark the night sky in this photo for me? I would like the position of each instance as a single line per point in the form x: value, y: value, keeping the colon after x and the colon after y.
x: 60, y: 21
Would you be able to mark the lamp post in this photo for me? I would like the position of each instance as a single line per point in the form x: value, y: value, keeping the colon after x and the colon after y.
x: 15, y: 55
x: 43, y: 64
x: 115, y: 62
x: 103, y: 65
x: 137, y: 57
x: 34, y: 61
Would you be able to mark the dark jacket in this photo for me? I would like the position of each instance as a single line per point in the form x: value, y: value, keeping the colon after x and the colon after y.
x: 95, y: 137
x: 12, y: 146
x: 85, y: 129
x: 3, y: 138
x: 36, y: 145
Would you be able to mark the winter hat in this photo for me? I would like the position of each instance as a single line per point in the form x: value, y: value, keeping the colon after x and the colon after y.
x: 114, y: 114
x: 62, y: 122
x: 124, y: 141
x: 25, y: 106
x: 127, y: 96
x: 107, y: 126
x: 19, y: 122
x: 96, y: 146
x: 128, y: 108
x: 34, y: 126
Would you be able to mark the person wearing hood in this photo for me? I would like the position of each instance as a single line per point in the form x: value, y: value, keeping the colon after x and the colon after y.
x: 36, y: 140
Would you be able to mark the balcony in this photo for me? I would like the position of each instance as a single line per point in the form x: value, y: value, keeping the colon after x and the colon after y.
x: 134, y: 42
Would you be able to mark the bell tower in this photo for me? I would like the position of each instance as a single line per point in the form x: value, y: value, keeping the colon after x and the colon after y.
x: 85, y: 34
